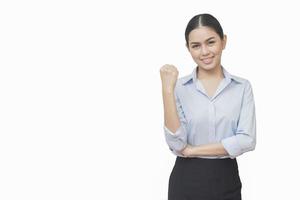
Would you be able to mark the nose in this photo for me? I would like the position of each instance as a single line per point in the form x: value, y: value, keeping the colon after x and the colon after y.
x: 204, y: 50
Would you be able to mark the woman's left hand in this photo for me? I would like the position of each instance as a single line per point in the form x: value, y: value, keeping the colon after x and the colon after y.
x: 188, y: 151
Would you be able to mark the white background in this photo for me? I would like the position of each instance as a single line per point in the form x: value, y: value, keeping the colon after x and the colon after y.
x: 81, y: 113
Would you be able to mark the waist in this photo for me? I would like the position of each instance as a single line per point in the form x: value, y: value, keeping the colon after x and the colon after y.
x: 219, y: 162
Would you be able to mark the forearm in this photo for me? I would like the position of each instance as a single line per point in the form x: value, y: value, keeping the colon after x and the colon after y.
x: 215, y: 149
x: 171, y: 118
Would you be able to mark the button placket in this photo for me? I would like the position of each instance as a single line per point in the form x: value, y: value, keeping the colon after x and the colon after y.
x: 212, y: 120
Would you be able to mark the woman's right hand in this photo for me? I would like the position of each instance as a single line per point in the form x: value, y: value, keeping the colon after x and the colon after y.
x: 168, y: 75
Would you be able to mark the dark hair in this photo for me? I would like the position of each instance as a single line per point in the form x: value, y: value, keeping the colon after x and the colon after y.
x: 203, y: 20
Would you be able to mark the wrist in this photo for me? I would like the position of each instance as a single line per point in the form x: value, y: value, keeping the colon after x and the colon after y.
x: 168, y: 90
x: 193, y: 151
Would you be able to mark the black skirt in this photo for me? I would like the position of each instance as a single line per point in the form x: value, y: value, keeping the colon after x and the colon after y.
x: 204, y: 179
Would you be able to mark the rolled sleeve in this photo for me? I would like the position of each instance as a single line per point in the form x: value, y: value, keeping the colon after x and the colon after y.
x: 178, y: 140
x: 244, y: 139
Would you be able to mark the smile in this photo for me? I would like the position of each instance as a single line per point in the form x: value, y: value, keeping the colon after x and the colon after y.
x: 207, y: 60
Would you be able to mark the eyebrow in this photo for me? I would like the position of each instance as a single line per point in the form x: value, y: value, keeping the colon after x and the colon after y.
x: 205, y: 40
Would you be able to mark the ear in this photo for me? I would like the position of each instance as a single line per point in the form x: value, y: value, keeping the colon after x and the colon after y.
x: 224, y: 41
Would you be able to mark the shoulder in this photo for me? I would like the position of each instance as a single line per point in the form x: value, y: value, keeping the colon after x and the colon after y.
x: 246, y: 86
x: 243, y: 81
x: 181, y: 84
x: 240, y: 79
x: 185, y: 79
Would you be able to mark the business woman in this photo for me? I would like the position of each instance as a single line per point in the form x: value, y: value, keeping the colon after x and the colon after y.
x: 209, y: 118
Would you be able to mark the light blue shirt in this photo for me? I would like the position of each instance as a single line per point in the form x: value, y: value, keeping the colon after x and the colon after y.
x: 228, y: 117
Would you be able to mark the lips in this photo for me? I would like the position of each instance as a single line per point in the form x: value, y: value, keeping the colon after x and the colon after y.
x: 207, y: 60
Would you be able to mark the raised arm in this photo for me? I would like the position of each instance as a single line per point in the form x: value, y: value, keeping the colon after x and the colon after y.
x: 174, y: 121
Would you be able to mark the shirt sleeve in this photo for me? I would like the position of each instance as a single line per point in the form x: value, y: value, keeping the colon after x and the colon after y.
x: 178, y: 140
x: 245, y: 138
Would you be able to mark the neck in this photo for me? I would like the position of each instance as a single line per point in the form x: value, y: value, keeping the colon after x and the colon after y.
x: 215, y: 73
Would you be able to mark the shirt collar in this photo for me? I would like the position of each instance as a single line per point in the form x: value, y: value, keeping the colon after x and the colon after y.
x: 193, y: 76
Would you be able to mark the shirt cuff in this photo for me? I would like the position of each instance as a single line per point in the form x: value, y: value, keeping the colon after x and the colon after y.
x: 176, y: 153
x: 176, y: 141
x: 232, y: 146
x: 176, y: 134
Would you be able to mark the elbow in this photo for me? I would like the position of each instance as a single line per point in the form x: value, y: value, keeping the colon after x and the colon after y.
x: 176, y: 141
x: 177, y: 145
x: 253, y: 145
x: 239, y: 144
x: 249, y: 144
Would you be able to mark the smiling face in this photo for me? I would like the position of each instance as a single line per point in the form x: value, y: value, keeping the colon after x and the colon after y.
x: 205, y: 47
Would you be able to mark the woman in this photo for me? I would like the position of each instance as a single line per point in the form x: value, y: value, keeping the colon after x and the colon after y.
x: 209, y: 118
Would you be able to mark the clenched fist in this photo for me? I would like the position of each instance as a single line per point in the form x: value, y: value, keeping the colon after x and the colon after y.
x: 168, y: 75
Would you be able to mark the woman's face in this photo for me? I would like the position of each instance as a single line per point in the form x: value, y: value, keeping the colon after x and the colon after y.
x: 206, y: 46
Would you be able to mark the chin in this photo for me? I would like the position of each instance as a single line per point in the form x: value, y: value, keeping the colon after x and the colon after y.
x: 207, y: 67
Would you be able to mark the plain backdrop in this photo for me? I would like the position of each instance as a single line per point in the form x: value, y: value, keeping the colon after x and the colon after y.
x: 81, y: 113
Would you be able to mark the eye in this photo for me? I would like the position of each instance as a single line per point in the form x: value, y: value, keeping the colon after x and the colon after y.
x: 211, y: 42
x: 195, y: 46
